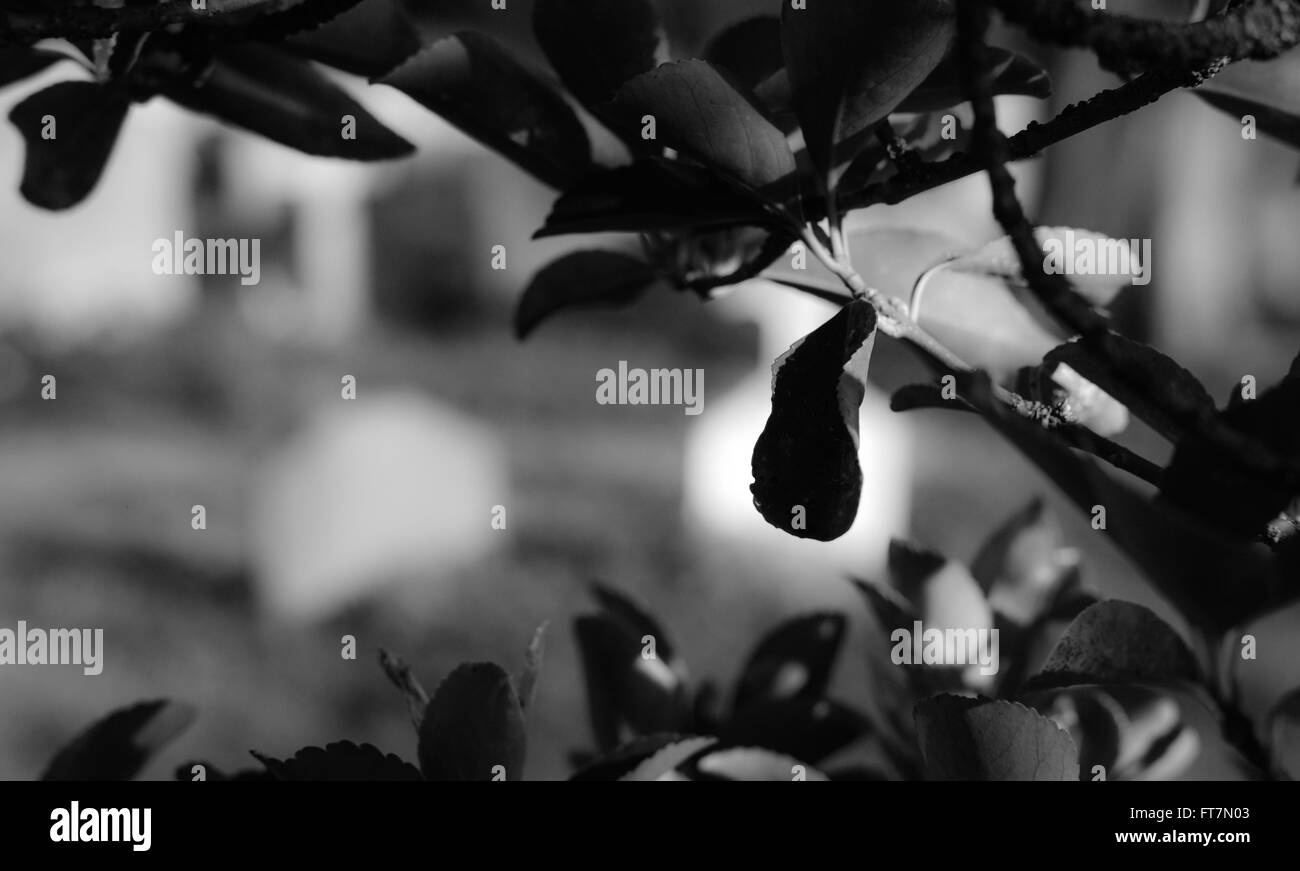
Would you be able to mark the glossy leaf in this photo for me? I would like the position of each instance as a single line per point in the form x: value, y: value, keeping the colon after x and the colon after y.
x: 479, y: 87
x: 118, y: 746
x: 61, y: 171
x: 596, y: 46
x: 1215, y: 579
x: 1218, y: 486
x: 948, y: 85
x: 617, y: 763
x: 749, y: 50
x: 1116, y: 642
x: 795, y: 660
x: 699, y: 113
x: 288, y: 17
x: 474, y: 723
x: 369, y: 40
x: 18, y: 63
x: 975, y: 739
x: 852, y: 62
x: 582, y: 279
x: 627, y: 689
x: 941, y: 590
x: 1147, y: 382
x: 1268, y: 90
x: 288, y: 101
x: 652, y: 194
x: 662, y: 765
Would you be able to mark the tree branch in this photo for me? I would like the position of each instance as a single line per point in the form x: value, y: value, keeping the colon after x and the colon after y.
x: 94, y: 22
x: 990, y: 150
x: 1033, y: 140
x: 1256, y: 30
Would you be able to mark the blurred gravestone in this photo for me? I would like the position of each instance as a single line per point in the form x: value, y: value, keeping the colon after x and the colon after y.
x: 372, y: 491
x: 422, y: 239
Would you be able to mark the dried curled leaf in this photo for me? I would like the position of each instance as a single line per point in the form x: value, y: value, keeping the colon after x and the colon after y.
x: 807, y: 480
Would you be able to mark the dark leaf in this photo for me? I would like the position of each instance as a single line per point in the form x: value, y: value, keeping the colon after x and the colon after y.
x: 1282, y: 125
x: 582, y: 279
x: 649, y: 195
x: 1024, y: 562
x: 1094, y: 719
x: 634, y: 615
x: 793, y: 661
x: 368, y: 40
x: 1133, y: 732
x: 473, y: 724
x: 976, y: 739
x: 893, y: 612
x: 596, y: 45
x: 626, y: 690
x: 288, y: 101
x: 942, y: 590
x: 287, y: 17
x: 918, y: 397
x: 118, y: 746
x: 1217, y: 580
x: 911, y: 566
x: 750, y: 50
x: 61, y: 172
x: 947, y: 85
x: 852, y: 62
x: 805, y: 728
x: 18, y: 63
x: 890, y: 609
x: 1284, y: 736
x: 476, y: 85
x: 1218, y: 486
x: 662, y: 764
x: 1268, y: 90
x: 1116, y: 642
x: 617, y: 763
x: 341, y: 760
x: 807, y: 480
x: 699, y: 113
x: 1140, y: 376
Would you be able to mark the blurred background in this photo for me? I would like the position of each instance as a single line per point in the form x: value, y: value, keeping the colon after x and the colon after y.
x: 372, y: 517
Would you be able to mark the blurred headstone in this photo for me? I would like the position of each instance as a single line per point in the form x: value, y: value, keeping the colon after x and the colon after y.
x: 372, y: 491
